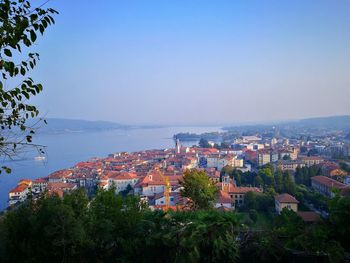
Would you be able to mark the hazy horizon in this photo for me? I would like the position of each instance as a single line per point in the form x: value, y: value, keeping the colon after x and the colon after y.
x: 195, y: 62
x: 194, y: 124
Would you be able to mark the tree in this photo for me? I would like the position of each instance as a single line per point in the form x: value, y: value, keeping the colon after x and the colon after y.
x: 248, y: 178
x: 237, y: 175
x: 127, y: 191
x: 261, y: 247
x: 250, y: 201
x: 46, y: 228
x: 288, y: 183
x: 339, y: 218
x: 209, y: 237
x: 198, y: 187
x: 303, y: 175
x: 312, y: 152
x: 278, y: 181
x: 203, y: 143
x: 286, y: 157
x: 258, y: 181
x: 265, y: 202
x: 20, y: 25
x: 225, y: 145
x: 344, y: 166
x: 113, y: 222
x: 288, y: 224
x: 227, y: 170
x: 188, y: 236
x: 253, y: 215
x: 266, y: 173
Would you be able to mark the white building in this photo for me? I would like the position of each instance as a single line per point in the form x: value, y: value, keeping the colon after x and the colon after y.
x: 286, y: 201
x: 174, y: 199
x: 150, y: 185
x: 19, y: 194
x: 219, y: 162
x: 224, y: 200
x: 122, y: 180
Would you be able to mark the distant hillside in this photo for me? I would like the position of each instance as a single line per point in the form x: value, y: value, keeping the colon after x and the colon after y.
x: 335, y: 122
x: 339, y: 122
x: 67, y: 125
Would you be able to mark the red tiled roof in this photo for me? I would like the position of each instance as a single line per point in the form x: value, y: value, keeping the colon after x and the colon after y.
x: 60, y: 174
x: 328, y: 181
x: 125, y: 176
x: 19, y: 188
x: 25, y: 181
x: 309, y: 216
x: 224, y: 198
x: 286, y: 198
x: 244, y: 190
x: 89, y: 165
x: 40, y: 180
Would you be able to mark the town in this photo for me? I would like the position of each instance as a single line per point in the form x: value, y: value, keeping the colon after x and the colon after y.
x: 302, y: 172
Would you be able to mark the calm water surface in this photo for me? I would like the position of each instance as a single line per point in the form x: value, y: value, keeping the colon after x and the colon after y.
x: 65, y: 150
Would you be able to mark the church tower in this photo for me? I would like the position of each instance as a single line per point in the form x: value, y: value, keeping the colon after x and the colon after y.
x: 177, y: 145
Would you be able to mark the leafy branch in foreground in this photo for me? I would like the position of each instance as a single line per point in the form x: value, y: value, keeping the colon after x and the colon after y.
x: 20, y: 24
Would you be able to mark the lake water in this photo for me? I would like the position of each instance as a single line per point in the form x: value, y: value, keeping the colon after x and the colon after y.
x: 65, y: 150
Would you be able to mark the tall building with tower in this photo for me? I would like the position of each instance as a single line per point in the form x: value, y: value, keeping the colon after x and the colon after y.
x: 177, y: 145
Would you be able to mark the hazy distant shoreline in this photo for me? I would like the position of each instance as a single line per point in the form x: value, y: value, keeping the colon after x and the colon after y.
x: 64, y: 126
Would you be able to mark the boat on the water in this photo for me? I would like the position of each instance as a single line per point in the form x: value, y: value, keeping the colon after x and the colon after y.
x: 39, y: 158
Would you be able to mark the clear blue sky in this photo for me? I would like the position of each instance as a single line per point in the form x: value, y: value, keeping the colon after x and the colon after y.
x: 196, y: 61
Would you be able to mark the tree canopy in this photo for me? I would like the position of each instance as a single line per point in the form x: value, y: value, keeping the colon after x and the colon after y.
x: 116, y: 228
x: 20, y: 24
x: 198, y: 187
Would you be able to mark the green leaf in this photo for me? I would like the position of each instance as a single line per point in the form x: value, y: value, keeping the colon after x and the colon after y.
x: 41, y: 29
x: 26, y: 42
x: 25, y: 94
x: 44, y: 23
x: 40, y: 87
x: 32, y: 35
x: 23, y: 71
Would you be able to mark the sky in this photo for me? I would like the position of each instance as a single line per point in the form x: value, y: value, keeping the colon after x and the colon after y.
x: 195, y: 61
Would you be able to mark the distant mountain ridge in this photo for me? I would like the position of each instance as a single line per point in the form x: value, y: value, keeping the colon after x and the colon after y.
x: 330, y: 122
x: 60, y: 125
x: 57, y: 125
x: 340, y: 122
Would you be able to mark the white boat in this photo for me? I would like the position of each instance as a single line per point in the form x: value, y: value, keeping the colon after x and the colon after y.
x: 39, y: 158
